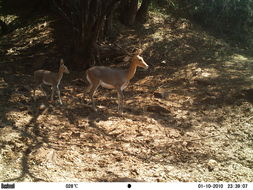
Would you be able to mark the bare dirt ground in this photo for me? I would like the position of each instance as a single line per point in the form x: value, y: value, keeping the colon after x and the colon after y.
x: 188, y: 118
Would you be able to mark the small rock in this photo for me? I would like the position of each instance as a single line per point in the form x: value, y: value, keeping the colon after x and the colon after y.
x: 76, y: 134
x: 161, y: 95
x: 212, y: 164
x: 134, y: 172
x: 157, y: 109
x: 158, y: 95
x: 184, y: 143
x: 42, y: 107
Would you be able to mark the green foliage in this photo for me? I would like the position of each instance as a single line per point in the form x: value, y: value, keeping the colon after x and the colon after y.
x: 229, y: 17
x: 162, y: 6
x: 232, y: 17
x: 224, y: 15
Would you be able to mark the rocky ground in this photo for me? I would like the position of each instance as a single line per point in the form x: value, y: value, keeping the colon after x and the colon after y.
x: 188, y: 118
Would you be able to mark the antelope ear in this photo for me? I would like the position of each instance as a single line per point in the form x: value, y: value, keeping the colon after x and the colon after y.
x: 61, y: 62
x: 126, y: 59
x: 138, y: 51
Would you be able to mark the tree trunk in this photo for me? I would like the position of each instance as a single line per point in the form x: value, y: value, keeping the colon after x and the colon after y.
x: 108, y: 28
x: 3, y: 27
x: 87, y: 18
x: 124, y: 6
x: 132, y: 12
x: 128, y: 11
x: 142, y: 14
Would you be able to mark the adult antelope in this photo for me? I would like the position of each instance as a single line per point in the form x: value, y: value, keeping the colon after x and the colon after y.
x: 114, y: 78
x: 50, y: 78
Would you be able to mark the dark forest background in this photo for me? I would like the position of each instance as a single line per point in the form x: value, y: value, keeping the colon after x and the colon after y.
x: 92, y: 22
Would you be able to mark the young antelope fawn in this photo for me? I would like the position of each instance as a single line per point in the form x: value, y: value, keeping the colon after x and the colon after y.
x: 50, y: 78
x: 113, y: 79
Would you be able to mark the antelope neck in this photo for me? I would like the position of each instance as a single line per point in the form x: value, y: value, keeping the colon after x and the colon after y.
x: 59, y: 77
x: 131, y: 71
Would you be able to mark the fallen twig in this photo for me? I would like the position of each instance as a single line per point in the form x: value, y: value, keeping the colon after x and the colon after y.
x: 196, y: 139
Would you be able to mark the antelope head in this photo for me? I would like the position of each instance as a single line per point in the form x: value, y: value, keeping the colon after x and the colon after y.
x: 63, y: 68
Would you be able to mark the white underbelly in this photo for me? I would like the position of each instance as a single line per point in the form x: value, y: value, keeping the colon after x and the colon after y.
x: 106, y: 85
x: 47, y: 83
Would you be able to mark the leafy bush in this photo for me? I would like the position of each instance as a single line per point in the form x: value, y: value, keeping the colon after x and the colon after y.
x: 224, y: 15
x: 230, y: 17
